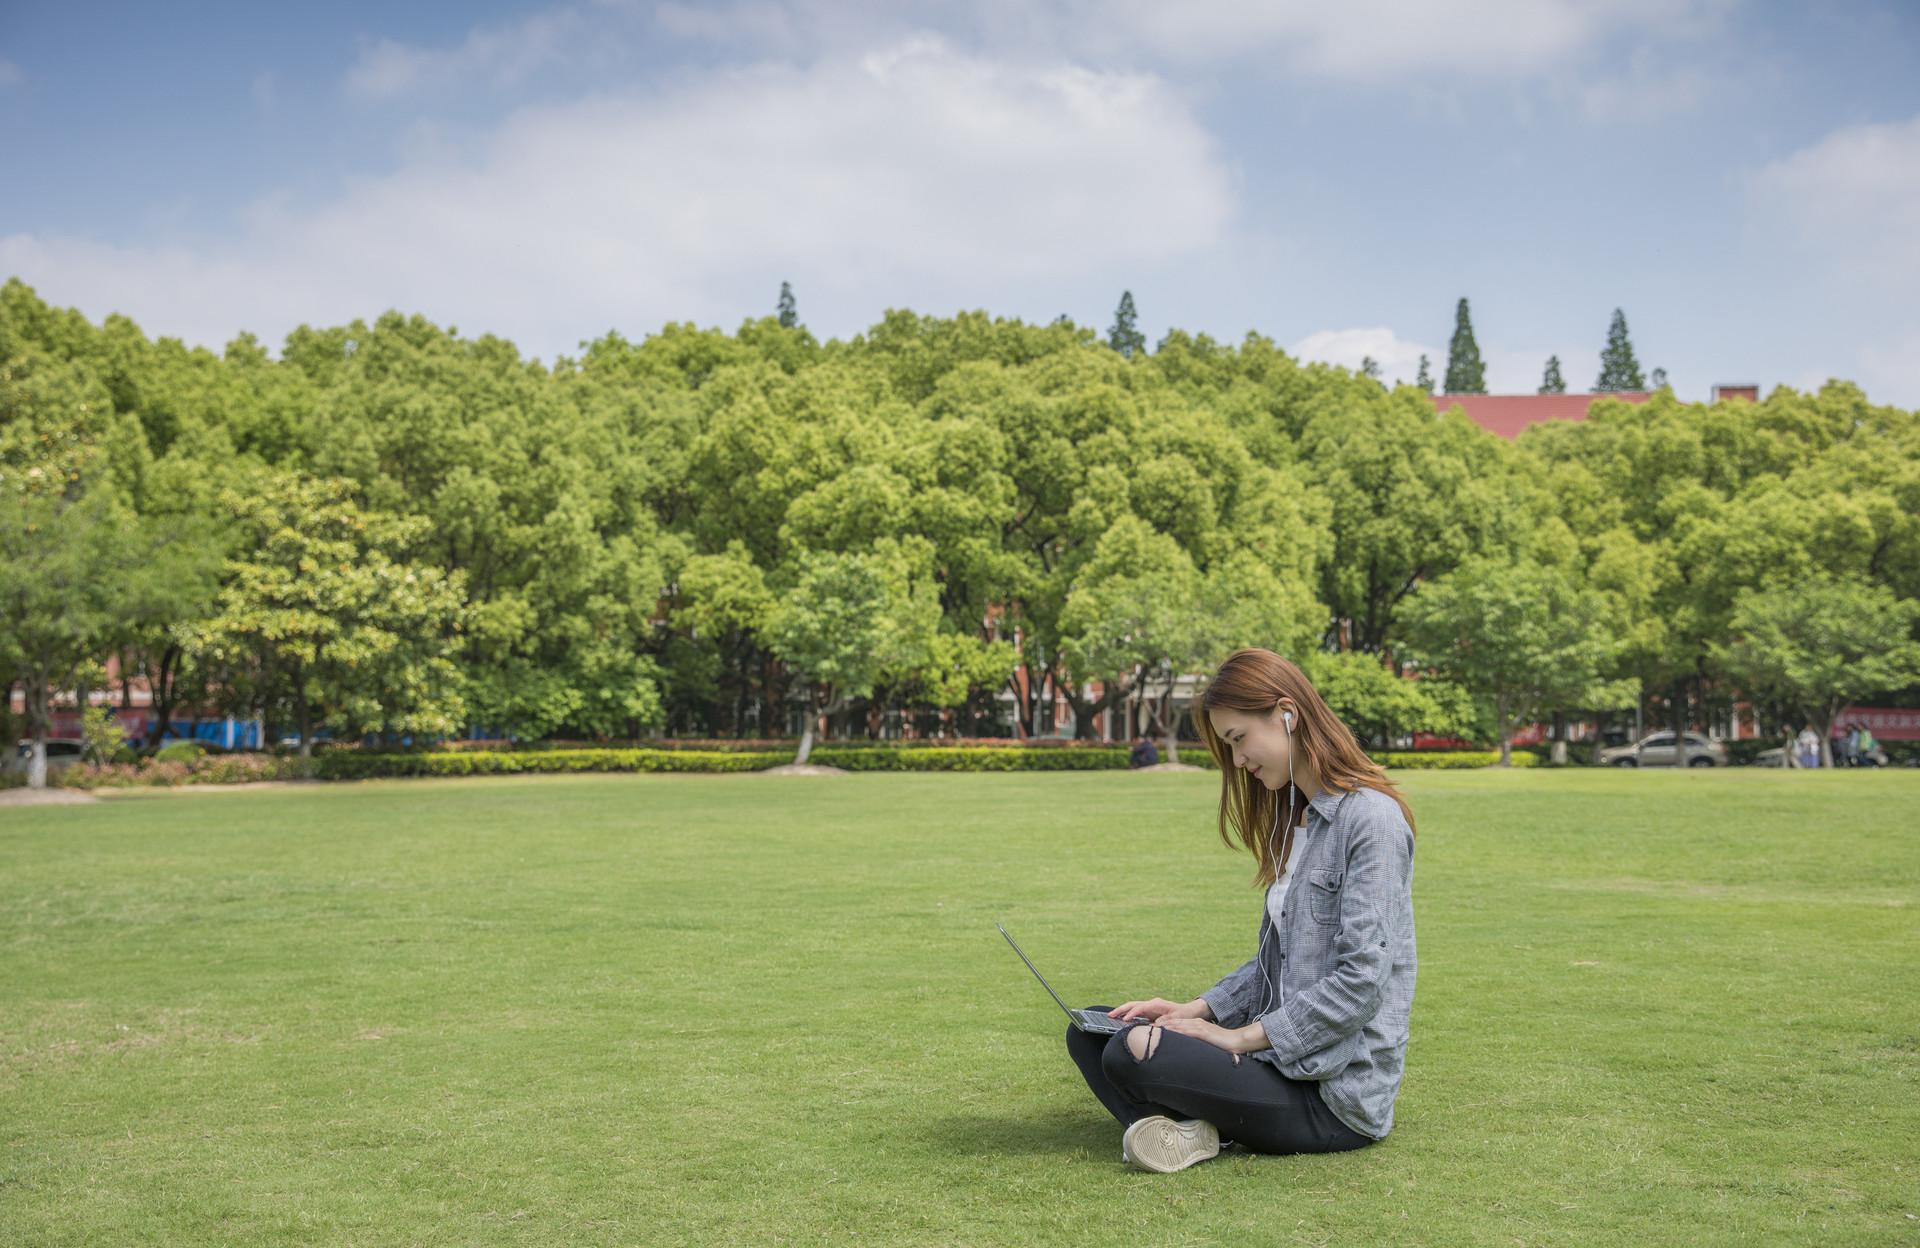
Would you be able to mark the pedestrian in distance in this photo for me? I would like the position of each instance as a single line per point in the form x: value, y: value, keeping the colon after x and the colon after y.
x: 1807, y: 745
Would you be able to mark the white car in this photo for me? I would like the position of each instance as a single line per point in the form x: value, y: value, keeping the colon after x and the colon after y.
x: 1656, y: 750
x: 62, y: 752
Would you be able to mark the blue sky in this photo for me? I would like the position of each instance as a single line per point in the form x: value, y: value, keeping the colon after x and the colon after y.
x: 1741, y: 178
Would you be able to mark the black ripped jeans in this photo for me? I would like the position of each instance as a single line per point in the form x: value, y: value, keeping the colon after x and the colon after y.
x: 1250, y: 1102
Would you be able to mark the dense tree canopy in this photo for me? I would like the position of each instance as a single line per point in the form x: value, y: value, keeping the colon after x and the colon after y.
x: 700, y: 531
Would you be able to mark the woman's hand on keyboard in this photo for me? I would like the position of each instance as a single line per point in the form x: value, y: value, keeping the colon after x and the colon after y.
x: 1159, y: 1008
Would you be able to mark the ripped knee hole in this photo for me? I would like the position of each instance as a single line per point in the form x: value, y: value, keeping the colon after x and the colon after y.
x: 1143, y: 1043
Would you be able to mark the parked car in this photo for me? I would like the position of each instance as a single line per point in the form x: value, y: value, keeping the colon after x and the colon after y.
x: 1656, y: 750
x: 62, y: 752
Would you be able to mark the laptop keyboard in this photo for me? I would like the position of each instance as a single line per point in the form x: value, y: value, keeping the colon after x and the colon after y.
x: 1095, y: 1018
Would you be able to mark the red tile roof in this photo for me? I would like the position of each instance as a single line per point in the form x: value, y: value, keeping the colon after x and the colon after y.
x: 1508, y: 414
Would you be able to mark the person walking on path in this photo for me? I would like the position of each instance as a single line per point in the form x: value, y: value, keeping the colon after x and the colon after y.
x: 1301, y: 1048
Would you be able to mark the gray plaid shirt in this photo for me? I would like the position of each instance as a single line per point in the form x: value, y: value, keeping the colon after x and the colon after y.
x: 1341, y: 962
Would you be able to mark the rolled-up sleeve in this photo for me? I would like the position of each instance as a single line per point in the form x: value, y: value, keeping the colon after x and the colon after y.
x: 1232, y: 999
x: 1378, y: 876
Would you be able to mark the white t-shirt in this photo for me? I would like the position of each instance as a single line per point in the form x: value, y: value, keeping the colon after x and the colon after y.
x: 1277, y: 891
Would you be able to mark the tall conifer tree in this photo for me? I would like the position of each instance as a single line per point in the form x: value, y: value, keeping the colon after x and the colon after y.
x: 1125, y: 337
x: 789, y: 312
x: 1465, y: 373
x: 1552, y: 382
x: 1618, y: 369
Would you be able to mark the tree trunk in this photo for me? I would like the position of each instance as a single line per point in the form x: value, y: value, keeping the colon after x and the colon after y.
x: 1167, y: 720
x: 300, y: 713
x: 764, y: 696
x: 806, y: 734
x: 1678, y: 716
x: 1559, y: 753
x: 161, y: 686
x: 1506, y: 731
x: 36, y: 690
x: 1085, y: 712
x: 823, y: 714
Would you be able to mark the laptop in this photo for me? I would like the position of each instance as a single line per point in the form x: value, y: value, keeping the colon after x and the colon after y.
x: 1094, y: 1021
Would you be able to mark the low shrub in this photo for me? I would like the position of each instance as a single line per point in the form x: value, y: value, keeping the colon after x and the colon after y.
x: 869, y: 756
x: 1902, y: 753
x: 1744, y: 753
x: 361, y: 765
x: 1449, y: 760
x: 195, y: 767
x: 158, y: 770
x: 777, y: 745
x: 1579, y: 754
x: 1106, y: 757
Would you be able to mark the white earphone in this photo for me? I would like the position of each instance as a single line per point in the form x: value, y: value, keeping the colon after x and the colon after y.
x: 1273, y: 851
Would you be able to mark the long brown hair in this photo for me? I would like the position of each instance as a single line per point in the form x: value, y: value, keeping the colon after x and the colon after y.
x: 1253, y: 681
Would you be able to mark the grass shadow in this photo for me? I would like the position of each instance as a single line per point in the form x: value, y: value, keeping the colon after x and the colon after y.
x: 973, y: 1135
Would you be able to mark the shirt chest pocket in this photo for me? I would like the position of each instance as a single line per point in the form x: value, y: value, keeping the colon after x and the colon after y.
x: 1323, y: 896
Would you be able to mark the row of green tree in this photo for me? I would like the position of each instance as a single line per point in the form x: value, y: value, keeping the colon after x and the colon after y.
x: 394, y: 528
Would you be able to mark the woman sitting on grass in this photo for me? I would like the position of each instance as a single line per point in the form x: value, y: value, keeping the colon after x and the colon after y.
x: 1322, y: 1007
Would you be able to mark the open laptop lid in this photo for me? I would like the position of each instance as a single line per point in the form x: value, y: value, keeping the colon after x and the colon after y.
x: 1036, y: 973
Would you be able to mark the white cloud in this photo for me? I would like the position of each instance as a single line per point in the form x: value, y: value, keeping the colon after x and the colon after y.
x: 1379, y: 40
x: 1508, y: 370
x: 1520, y: 370
x: 1374, y: 41
x: 913, y: 175
x: 1841, y: 211
x: 1399, y: 358
x: 1850, y: 200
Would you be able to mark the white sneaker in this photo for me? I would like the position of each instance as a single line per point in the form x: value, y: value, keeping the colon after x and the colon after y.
x: 1159, y: 1143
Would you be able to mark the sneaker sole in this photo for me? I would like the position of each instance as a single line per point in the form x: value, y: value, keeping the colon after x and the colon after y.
x: 1162, y: 1145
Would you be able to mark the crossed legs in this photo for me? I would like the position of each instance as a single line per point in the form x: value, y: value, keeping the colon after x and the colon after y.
x: 1147, y: 1070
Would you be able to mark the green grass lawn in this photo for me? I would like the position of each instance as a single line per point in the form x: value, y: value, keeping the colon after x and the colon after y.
x: 1653, y: 1008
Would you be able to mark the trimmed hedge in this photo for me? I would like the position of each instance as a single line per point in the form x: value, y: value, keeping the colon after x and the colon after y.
x: 991, y: 758
x: 183, y: 768
x: 1450, y: 760
x: 779, y: 745
x: 352, y: 764
x: 358, y: 765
